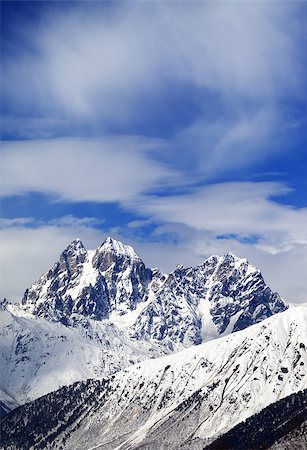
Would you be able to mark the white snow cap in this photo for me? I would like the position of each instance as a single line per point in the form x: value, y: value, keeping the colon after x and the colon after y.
x: 238, y: 261
x: 116, y: 247
x: 76, y: 245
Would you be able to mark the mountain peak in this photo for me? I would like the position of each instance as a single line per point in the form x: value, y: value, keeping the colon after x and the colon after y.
x: 76, y: 246
x: 236, y: 261
x: 229, y: 256
x: 113, y: 246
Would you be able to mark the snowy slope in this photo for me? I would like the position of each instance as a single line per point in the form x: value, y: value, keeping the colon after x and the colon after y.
x: 284, y: 421
x: 38, y: 356
x: 184, y: 400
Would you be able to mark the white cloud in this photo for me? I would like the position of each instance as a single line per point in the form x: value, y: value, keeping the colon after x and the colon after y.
x: 242, y: 218
x: 243, y: 208
x: 115, y: 169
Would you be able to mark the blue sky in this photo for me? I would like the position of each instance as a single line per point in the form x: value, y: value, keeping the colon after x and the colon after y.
x: 177, y: 127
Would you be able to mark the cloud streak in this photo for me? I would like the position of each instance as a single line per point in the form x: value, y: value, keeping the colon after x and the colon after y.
x: 244, y: 208
x: 95, y: 69
x: 99, y: 70
x: 109, y: 170
x: 132, y: 52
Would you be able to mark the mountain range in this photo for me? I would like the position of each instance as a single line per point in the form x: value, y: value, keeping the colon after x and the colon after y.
x: 186, y: 307
x: 129, y: 357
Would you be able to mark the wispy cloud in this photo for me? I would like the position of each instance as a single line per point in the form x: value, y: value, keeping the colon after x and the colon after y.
x: 72, y: 221
x: 240, y: 208
x: 95, y: 63
x: 64, y: 221
x: 96, y: 69
x: 115, y: 169
x: 18, y: 221
x: 213, y: 146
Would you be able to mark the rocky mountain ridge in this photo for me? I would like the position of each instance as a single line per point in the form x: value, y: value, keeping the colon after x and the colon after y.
x: 186, y: 307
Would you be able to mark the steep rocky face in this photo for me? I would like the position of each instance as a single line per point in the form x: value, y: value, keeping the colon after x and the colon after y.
x: 197, y: 304
x: 48, y: 296
x: 89, y: 283
x: 125, y: 275
x: 185, y: 400
x: 186, y: 307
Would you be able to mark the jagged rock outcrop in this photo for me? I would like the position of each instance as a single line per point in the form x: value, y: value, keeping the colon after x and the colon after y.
x: 91, y: 284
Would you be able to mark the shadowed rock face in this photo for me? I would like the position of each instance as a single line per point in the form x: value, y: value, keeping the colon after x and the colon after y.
x: 90, y: 284
x: 197, y: 304
x: 46, y: 298
x: 125, y: 275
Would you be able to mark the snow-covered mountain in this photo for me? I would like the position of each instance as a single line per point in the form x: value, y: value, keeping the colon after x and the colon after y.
x: 96, y: 312
x: 184, y: 400
x: 188, y: 306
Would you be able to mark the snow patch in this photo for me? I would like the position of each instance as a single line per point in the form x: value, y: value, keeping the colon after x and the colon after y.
x: 88, y: 277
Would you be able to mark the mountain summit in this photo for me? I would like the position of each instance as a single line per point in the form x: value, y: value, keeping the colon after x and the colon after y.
x: 118, y: 249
